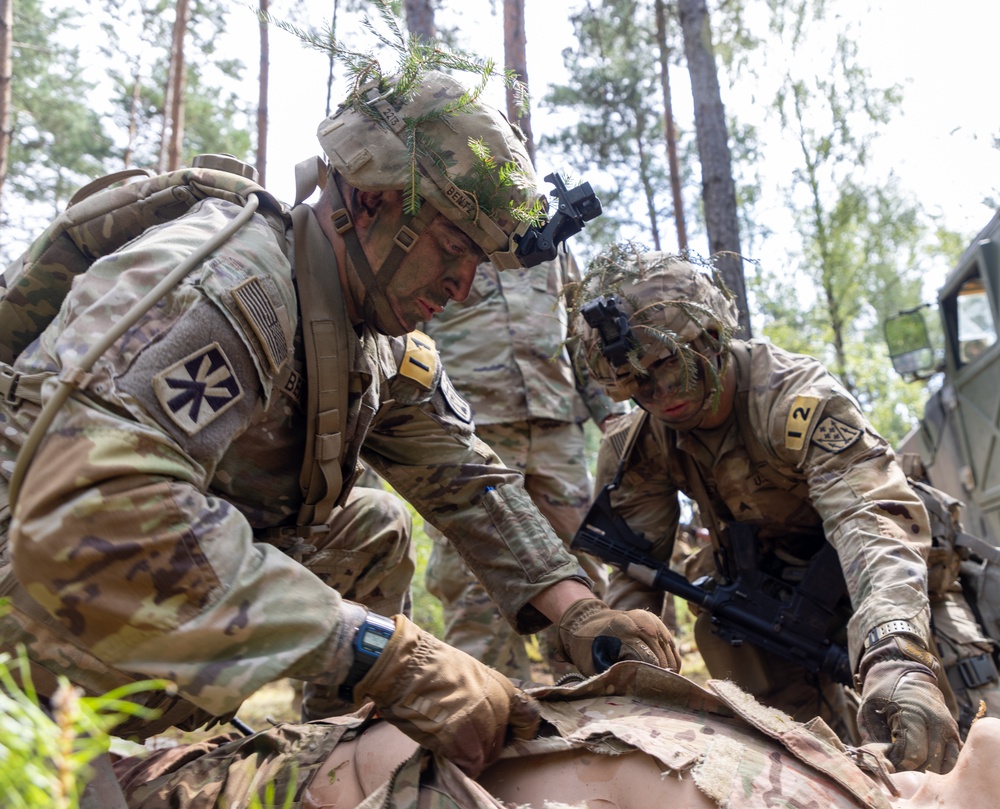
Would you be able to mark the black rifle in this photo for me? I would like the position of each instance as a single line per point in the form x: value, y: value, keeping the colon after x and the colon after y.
x: 788, y: 620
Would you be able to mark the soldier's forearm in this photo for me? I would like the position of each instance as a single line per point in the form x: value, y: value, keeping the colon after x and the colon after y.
x: 555, y: 600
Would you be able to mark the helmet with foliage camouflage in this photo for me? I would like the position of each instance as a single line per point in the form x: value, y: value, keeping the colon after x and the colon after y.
x: 635, y: 308
x: 428, y: 136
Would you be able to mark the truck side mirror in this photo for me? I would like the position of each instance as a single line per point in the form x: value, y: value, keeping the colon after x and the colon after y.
x: 910, y: 345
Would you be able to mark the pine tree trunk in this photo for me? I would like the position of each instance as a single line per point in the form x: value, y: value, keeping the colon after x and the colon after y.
x: 420, y: 18
x: 6, y: 78
x: 265, y: 55
x: 133, y: 115
x: 516, y: 58
x: 170, y: 150
x: 718, y: 190
x: 669, y: 130
x: 329, y: 70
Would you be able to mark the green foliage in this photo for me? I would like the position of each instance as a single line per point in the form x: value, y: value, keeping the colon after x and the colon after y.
x: 58, y: 142
x: 45, y: 757
x: 863, y: 242
x: 427, y: 611
x: 615, y: 99
x: 411, y: 58
x: 137, y: 49
x: 216, y: 120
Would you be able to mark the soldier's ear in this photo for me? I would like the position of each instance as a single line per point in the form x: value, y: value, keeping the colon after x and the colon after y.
x: 370, y: 208
x: 366, y: 205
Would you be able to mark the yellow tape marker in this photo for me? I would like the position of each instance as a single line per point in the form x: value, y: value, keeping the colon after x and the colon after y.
x: 804, y: 409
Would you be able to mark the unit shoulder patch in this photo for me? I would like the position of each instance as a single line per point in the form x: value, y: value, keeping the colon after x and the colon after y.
x: 458, y: 405
x: 198, y: 389
x: 835, y: 435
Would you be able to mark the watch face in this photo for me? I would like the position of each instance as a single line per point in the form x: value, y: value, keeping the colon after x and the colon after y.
x: 374, y: 642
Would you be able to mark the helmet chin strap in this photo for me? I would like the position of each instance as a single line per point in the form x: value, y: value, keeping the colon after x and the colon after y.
x: 376, y: 309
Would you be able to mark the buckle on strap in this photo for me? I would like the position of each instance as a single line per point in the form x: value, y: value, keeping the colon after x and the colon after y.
x: 405, y: 239
x: 8, y: 384
x: 974, y: 671
x: 896, y: 627
x: 341, y: 220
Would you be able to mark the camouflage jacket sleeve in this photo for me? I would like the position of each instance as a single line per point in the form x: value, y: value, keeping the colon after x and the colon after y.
x: 870, y: 514
x: 423, y: 443
x: 117, y: 534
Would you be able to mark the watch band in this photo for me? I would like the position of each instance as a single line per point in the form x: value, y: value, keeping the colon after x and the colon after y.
x: 897, y: 627
x: 372, y: 637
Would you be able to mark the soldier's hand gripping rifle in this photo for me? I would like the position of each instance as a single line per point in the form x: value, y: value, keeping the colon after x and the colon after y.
x: 789, y: 620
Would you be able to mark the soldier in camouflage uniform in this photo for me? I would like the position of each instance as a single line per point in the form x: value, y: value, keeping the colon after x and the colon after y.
x: 633, y: 738
x: 504, y: 350
x: 760, y: 436
x: 163, y: 529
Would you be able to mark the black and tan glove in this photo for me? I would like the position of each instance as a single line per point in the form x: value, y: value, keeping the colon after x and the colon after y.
x: 446, y: 700
x: 593, y: 637
x: 903, y: 714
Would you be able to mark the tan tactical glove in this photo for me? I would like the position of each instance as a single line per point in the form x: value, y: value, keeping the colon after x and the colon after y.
x: 903, y: 714
x: 446, y: 700
x: 593, y: 637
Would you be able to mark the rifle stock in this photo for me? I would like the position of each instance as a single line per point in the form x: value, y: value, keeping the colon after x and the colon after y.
x: 754, y: 608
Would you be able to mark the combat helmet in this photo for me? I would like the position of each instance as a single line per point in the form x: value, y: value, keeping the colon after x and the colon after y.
x: 636, y: 308
x: 429, y: 138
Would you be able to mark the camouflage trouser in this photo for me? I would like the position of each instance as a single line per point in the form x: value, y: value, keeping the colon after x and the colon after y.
x: 967, y: 658
x: 232, y: 770
x: 551, y: 456
x: 367, y: 556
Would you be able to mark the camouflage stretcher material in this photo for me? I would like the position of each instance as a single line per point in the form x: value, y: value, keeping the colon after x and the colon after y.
x: 632, y: 706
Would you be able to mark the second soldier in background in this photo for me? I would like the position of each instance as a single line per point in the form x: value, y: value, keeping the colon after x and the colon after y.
x: 503, y: 349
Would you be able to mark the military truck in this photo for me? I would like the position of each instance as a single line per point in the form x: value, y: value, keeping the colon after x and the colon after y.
x: 958, y: 438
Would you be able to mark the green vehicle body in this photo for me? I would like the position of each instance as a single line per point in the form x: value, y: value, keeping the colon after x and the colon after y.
x: 958, y: 438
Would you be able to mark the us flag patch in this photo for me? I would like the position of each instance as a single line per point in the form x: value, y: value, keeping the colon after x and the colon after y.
x: 197, y: 390
x: 256, y: 307
x: 834, y: 435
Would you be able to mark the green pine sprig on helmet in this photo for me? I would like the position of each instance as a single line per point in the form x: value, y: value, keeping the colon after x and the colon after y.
x: 673, y: 309
x: 450, y: 149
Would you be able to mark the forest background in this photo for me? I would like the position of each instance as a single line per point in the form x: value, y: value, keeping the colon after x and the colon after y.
x: 857, y: 156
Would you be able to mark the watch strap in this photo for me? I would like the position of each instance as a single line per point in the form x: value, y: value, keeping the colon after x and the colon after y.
x: 895, y: 627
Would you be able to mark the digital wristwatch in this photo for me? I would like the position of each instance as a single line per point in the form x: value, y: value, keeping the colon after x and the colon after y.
x: 369, y: 642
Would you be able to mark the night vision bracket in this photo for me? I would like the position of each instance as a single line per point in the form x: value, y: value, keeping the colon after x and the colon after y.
x: 604, y: 314
x: 576, y: 207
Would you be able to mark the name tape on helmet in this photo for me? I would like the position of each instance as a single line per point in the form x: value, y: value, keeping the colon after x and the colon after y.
x: 387, y: 111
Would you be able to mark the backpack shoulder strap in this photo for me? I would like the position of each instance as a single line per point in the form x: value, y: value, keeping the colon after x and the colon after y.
x: 325, y: 338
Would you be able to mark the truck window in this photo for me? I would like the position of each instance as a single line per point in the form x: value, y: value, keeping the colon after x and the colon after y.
x: 976, y: 330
